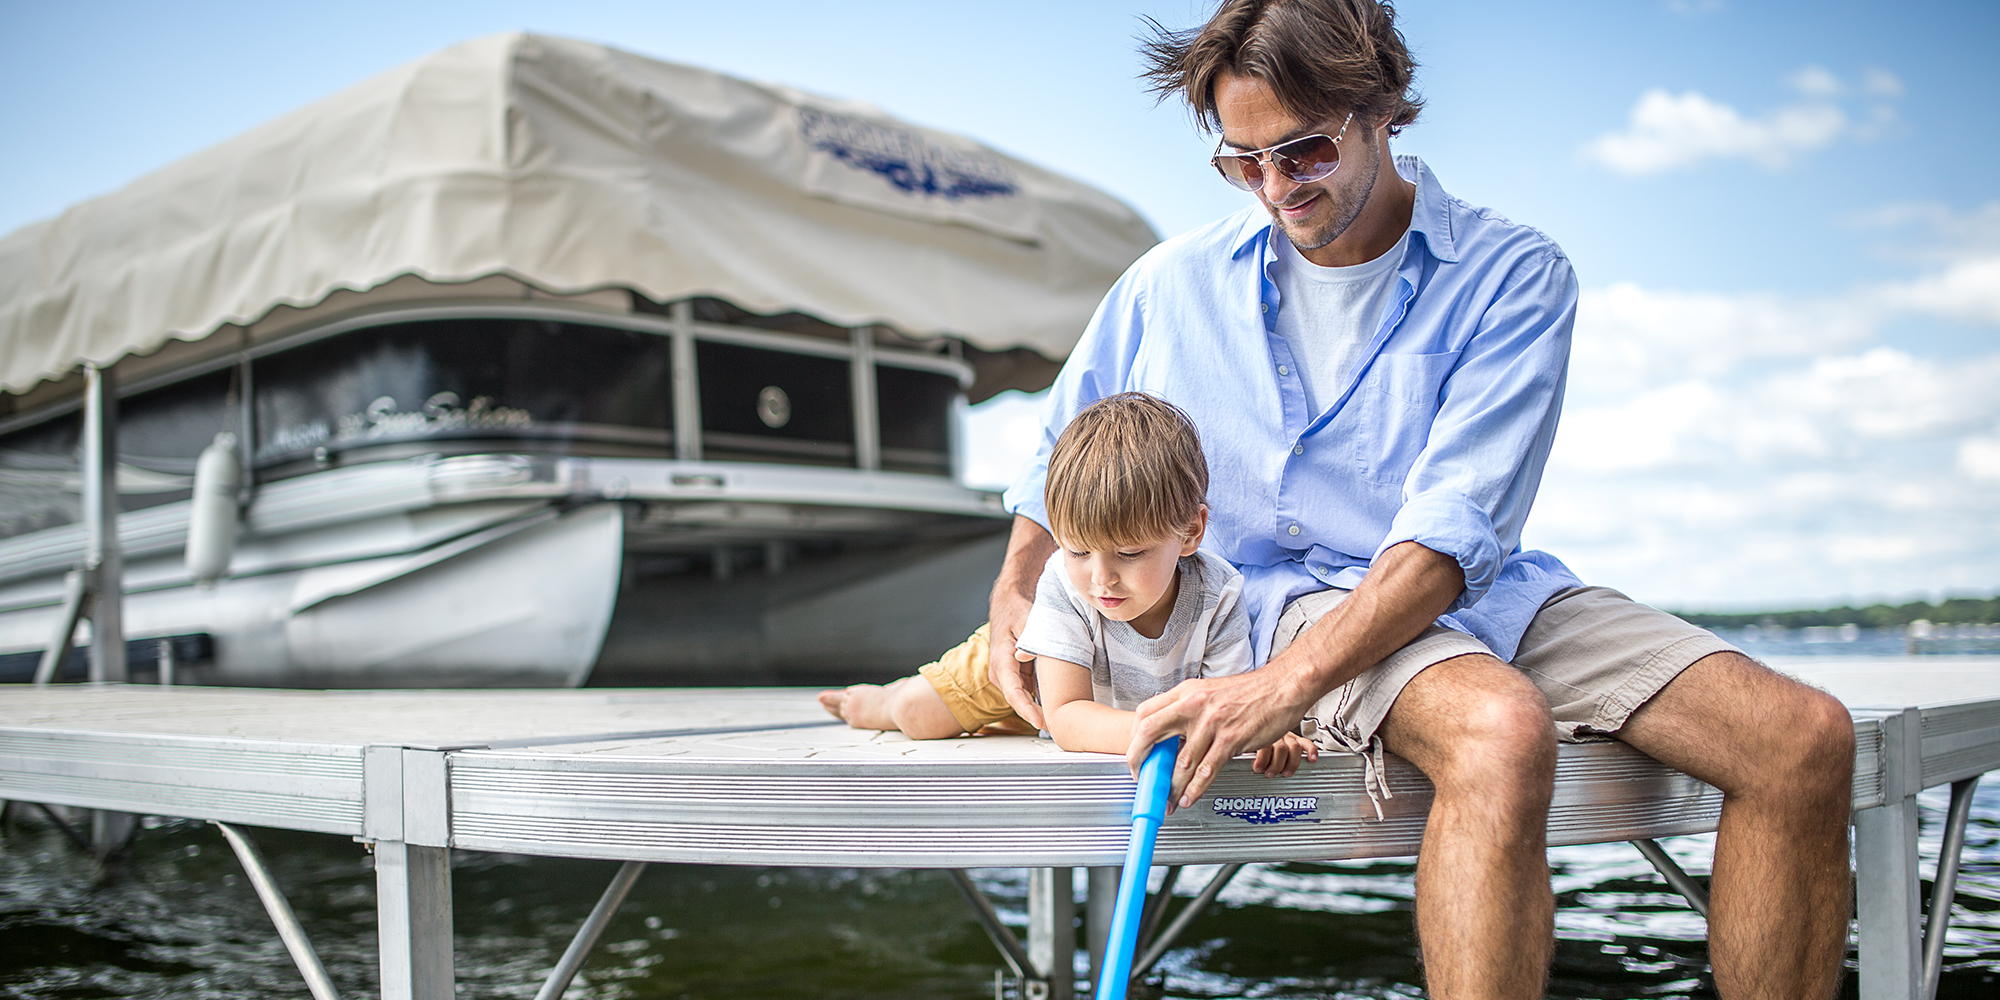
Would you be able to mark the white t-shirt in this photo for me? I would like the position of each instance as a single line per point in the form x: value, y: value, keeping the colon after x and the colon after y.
x: 1327, y: 315
x: 1208, y: 634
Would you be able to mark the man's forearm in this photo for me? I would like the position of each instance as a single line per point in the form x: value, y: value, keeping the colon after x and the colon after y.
x: 1028, y: 548
x: 1404, y: 592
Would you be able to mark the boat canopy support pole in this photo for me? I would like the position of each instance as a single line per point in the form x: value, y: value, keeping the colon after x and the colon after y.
x: 867, y: 422
x: 280, y: 909
x: 593, y: 928
x: 687, y: 385
x: 1676, y: 876
x: 1946, y: 884
x: 100, y: 515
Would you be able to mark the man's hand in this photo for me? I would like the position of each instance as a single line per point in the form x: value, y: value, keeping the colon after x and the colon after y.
x: 1220, y: 717
x: 1406, y: 589
x: 1011, y: 670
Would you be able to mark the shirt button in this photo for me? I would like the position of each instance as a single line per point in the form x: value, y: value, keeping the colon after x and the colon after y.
x: 1322, y: 571
x: 1298, y: 449
x: 1294, y: 529
x: 1282, y: 370
x: 1263, y: 307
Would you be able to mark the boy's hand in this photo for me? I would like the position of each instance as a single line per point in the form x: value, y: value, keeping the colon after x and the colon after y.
x: 1281, y: 759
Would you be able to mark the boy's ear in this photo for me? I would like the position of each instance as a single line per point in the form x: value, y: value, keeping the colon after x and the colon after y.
x: 1195, y: 531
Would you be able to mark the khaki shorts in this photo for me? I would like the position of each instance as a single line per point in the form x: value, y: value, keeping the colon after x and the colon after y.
x: 1596, y: 654
x: 960, y: 678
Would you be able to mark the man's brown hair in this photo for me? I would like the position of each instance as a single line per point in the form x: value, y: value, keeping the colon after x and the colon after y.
x: 1128, y: 470
x: 1322, y: 58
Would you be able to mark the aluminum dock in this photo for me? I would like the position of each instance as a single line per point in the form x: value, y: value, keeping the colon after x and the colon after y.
x: 760, y: 776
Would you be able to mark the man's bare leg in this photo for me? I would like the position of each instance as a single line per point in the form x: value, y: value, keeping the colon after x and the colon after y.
x: 1485, y: 915
x: 909, y: 704
x: 1783, y: 755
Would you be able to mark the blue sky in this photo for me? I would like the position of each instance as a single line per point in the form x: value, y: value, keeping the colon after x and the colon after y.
x: 1785, y: 217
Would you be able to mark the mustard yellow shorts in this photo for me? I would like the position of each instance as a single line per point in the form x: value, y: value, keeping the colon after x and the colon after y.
x: 960, y: 678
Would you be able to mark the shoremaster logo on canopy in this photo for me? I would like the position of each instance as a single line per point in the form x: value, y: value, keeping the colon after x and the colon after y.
x: 1268, y: 808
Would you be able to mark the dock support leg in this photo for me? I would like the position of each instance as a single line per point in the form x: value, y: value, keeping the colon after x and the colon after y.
x: 1677, y: 878
x: 1051, y: 934
x: 413, y: 911
x: 1950, y: 846
x: 1003, y: 939
x: 1099, y: 901
x: 1887, y: 890
x: 592, y: 929
x: 280, y: 910
x: 1158, y: 947
x: 111, y: 831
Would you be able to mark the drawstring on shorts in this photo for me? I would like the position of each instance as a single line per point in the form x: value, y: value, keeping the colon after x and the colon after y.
x: 1347, y: 739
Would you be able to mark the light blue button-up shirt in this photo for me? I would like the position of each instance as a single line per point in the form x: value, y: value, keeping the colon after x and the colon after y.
x: 1438, y: 435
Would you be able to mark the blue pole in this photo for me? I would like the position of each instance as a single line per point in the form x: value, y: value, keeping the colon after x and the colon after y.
x: 1149, y: 809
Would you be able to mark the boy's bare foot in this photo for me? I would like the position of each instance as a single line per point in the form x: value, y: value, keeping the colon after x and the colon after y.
x: 863, y: 706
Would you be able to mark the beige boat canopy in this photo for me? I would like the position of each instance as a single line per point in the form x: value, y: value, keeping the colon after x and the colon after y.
x: 571, y: 168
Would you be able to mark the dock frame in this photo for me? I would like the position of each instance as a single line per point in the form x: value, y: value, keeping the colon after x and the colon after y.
x: 760, y: 777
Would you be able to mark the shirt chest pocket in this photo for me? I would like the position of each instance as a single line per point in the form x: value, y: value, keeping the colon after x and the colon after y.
x: 1391, y: 412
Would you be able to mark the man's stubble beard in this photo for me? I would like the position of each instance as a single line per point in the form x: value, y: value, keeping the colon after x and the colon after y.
x: 1344, y: 212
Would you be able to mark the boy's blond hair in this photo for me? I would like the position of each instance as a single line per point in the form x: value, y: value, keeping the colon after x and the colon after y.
x: 1126, y: 471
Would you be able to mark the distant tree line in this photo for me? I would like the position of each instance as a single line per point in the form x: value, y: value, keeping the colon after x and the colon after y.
x: 1958, y: 610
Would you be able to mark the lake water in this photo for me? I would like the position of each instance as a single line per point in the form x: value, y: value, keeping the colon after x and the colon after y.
x: 177, y: 919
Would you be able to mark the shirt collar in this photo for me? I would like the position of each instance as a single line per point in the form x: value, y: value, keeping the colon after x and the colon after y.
x: 1429, y: 218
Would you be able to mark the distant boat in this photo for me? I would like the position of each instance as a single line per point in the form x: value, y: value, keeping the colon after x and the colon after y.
x: 549, y: 362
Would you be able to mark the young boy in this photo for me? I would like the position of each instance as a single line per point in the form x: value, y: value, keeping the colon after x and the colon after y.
x: 1126, y: 608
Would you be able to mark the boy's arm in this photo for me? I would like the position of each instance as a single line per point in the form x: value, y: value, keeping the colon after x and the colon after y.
x: 1076, y: 720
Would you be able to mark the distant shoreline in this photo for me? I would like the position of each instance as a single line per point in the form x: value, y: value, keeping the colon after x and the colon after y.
x: 1956, y: 611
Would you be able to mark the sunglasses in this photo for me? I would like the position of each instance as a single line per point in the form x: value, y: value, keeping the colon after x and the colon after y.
x: 1312, y: 158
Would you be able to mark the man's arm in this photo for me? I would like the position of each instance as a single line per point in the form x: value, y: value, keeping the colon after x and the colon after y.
x: 1408, y: 588
x: 1007, y: 611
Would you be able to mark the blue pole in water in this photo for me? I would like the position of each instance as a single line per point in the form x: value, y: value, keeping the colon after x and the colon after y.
x: 1149, y: 809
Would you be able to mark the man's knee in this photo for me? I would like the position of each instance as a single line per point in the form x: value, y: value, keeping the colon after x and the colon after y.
x: 1809, y: 743
x: 1491, y: 733
x: 1818, y: 740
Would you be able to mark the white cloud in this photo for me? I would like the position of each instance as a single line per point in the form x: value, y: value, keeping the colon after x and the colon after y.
x: 1814, y: 81
x: 1628, y: 336
x: 1932, y: 231
x: 1966, y: 290
x: 1979, y: 457
x: 1881, y: 83
x: 1756, y: 450
x: 1666, y: 131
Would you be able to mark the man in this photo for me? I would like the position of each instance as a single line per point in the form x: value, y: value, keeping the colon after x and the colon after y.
x: 1377, y: 369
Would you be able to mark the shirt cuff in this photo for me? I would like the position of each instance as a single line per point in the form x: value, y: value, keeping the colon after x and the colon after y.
x: 1446, y: 521
x: 1027, y: 503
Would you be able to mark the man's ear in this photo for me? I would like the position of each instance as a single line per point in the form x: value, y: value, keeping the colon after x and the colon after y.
x: 1195, y: 531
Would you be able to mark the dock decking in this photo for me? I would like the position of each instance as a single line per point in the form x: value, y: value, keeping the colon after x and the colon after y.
x: 761, y: 776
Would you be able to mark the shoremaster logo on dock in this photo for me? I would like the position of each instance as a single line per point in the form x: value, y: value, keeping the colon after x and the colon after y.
x: 1268, y: 808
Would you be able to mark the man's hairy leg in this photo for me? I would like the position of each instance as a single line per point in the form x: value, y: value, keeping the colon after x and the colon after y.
x: 1485, y: 914
x: 1783, y: 755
